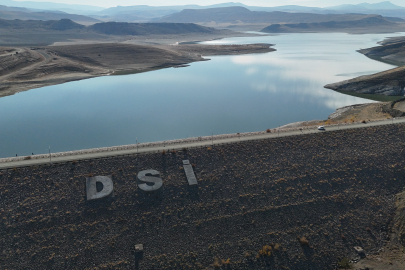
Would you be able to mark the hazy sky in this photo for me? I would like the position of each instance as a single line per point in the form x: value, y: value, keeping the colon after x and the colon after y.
x: 314, y: 3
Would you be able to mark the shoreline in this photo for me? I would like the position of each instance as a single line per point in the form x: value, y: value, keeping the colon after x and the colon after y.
x: 347, y: 115
x: 388, y: 83
x: 167, y: 143
x: 186, y: 48
x: 296, y: 128
x: 45, y: 66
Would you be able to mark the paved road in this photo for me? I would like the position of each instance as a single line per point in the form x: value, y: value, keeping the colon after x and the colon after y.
x: 194, y: 144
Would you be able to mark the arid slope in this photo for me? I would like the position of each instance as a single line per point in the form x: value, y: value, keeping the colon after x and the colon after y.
x: 372, y: 24
x: 23, y: 68
x: 390, y: 82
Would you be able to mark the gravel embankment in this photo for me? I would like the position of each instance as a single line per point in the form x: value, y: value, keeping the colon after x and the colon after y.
x: 336, y: 189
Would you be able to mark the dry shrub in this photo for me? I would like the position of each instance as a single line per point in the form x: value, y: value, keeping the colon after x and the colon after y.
x: 217, y: 263
x: 268, y: 130
x: 27, y: 158
x: 303, y: 241
x: 345, y: 264
x: 265, y: 251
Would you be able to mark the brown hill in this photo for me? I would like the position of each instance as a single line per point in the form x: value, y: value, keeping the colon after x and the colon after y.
x: 392, y: 52
x: 36, y: 32
x: 123, y: 28
x: 329, y: 26
x: 388, y: 83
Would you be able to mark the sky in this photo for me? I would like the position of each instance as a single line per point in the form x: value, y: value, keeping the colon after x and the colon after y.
x: 269, y: 3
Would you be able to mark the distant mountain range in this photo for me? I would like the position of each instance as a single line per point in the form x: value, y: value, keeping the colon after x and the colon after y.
x: 12, y: 13
x: 149, y: 13
x: 383, y: 9
x: 108, y: 28
x: 50, y: 6
x: 144, y: 12
x: 244, y: 15
x: 43, y: 33
x: 59, y: 25
x: 288, y: 8
x: 378, y: 6
x: 27, y: 10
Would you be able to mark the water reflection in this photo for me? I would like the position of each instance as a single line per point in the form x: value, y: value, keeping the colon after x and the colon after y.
x: 304, y: 66
x: 276, y: 75
x: 228, y: 94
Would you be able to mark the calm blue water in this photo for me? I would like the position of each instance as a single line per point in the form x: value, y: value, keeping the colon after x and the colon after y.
x: 228, y: 94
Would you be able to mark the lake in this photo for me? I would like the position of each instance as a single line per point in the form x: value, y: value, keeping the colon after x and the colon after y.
x: 227, y: 94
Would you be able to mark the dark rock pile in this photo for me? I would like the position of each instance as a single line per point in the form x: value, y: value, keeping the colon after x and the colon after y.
x: 299, y: 202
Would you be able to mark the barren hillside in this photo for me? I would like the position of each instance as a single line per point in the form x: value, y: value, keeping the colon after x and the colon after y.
x: 41, y: 66
x: 41, y: 33
x: 388, y: 83
x: 393, y: 52
x: 378, y: 23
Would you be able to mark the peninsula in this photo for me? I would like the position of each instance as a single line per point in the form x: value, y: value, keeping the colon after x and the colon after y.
x: 100, y: 50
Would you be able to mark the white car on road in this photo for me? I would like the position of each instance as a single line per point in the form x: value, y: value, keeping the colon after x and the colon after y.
x: 321, y: 128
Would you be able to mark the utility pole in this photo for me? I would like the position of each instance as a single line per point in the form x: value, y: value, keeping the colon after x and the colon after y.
x: 50, y: 156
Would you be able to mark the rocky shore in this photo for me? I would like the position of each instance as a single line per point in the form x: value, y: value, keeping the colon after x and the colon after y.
x: 387, y: 83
